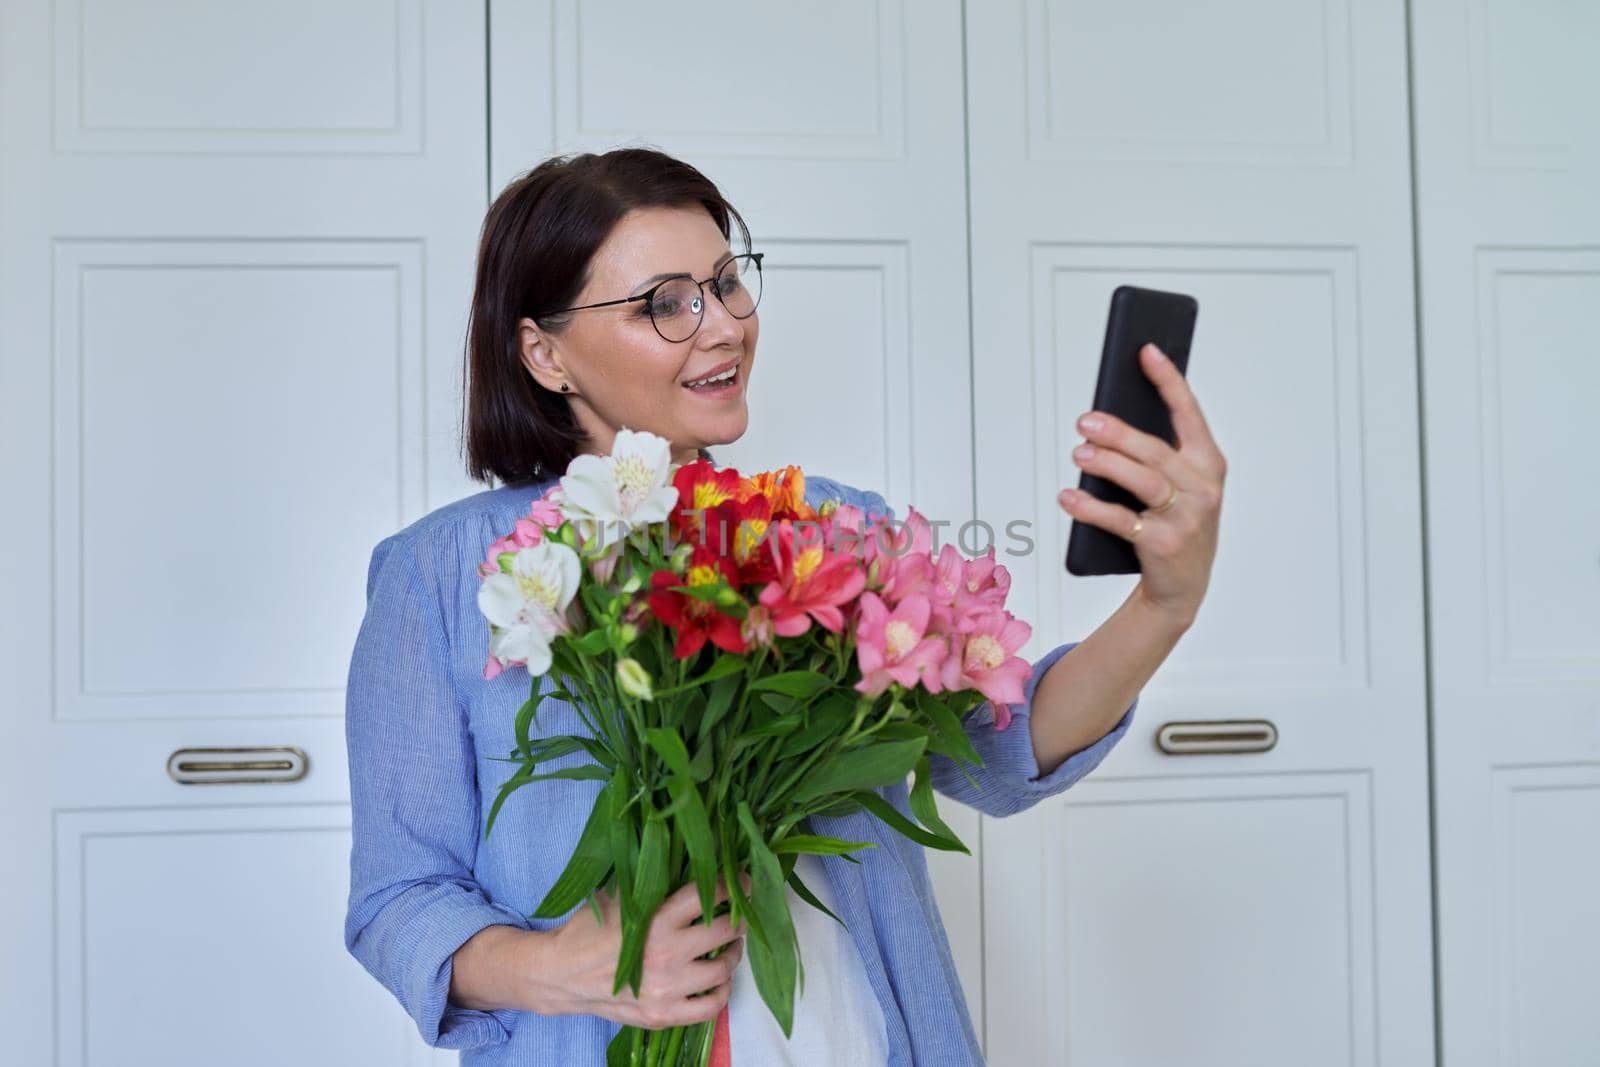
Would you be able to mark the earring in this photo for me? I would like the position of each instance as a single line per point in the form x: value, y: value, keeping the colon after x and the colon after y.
x: 564, y: 387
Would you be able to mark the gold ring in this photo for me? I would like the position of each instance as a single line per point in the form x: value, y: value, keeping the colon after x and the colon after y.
x: 1171, y: 500
x: 1138, y: 524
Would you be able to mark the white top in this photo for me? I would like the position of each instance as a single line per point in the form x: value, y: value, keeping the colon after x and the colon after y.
x: 837, y: 1018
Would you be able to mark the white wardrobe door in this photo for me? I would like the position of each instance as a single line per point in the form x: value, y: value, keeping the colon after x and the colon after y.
x: 1241, y: 908
x: 1508, y: 162
x: 835, y: 128
x: 238, y: 247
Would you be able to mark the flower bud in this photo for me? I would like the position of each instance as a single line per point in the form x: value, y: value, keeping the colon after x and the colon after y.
x: 634, y: 582
x: 634, y: 679
x: 756, y: 629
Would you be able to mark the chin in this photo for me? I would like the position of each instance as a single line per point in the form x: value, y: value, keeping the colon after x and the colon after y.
x: 723, y: 431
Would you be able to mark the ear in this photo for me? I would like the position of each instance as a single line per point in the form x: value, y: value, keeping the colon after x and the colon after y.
x: 540, y: 357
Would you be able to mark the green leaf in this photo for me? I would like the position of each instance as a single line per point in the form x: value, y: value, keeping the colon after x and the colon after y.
x: 923, y: 805
x: 700, y: 766
x: 649, y: 889
x: 801, y: 684
x: 547, y: 748
x: 524, y: 721
x: 774, y: 955
x: 619, y: 1053
x: 589, y: 865
x: 718, y: 704
x: 817, y: 845
x: 624, y: 839
x: 905, y: 731
x: 860, y: 768
x: 780, y: 727
x: 728, y: 663
x: 669, y: 746
x: 945, y: 720
x: 780, y: 703
x: 710, y: 592
x: 584, y: 773
x: 804, y: 893
x: 840, y: 805
x: 830, y: 716
x: 875, y: 803
x: 689, y: 812
x: 591, y: 643
x: 587, y: 772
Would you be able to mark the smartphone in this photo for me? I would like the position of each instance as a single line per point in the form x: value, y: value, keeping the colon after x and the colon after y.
x: 1137, y: 317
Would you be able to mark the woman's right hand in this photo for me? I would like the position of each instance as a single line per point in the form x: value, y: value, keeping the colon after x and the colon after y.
x: 575, y: 966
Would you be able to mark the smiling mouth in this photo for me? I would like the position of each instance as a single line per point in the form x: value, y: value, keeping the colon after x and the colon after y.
x: 713, y: 383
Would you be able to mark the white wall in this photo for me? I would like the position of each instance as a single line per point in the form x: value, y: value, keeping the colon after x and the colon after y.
x: 216, y: 217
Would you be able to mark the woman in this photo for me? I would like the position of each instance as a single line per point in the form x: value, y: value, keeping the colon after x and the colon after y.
x: 608, y: 295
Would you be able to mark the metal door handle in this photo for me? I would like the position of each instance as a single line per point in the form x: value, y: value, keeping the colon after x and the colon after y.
x: 1231, y: 735
x: 213, y: 766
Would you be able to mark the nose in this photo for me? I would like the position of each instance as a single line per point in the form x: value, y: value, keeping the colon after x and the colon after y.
x: 718, y: 326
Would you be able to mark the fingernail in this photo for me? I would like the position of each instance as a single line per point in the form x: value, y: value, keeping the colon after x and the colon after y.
x: 1069, y: 496
x: 1090, y: 422
x: 1158, y: 353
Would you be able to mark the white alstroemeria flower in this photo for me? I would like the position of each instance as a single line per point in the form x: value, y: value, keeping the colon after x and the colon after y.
x: 611, y: 496
x: 527, y: 608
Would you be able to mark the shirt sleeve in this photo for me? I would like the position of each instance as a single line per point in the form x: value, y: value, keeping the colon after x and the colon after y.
x: 414, y: 807
x: 1009, y: 780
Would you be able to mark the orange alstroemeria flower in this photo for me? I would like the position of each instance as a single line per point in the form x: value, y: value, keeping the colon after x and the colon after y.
x: 785, y: 489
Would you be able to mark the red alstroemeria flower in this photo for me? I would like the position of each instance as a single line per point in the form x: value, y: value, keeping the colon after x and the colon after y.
x: 702, y: 487
x: 695, y: 619
x: 812, y: 583
x: 740, y: 529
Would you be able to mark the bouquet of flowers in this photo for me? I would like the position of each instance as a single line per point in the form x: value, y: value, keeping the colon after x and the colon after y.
x: 740, y: 661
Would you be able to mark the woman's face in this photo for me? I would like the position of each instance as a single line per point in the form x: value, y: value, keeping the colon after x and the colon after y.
x: 620, y: 371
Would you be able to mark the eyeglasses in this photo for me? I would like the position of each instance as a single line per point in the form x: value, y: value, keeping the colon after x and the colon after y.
x: 677, y: 305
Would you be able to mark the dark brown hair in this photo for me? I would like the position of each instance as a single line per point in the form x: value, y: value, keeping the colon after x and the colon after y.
x: 533, y: 255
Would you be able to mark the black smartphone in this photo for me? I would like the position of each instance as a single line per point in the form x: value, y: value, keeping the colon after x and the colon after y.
x: 1137, y: 317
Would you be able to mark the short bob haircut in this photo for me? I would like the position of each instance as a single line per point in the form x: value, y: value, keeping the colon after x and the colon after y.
x: 534, y: 252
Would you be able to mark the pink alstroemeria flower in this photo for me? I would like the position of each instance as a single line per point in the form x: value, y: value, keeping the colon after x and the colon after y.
x: 812, y: 583
x: 963, y: 589
x: 546, y: 511
x: 898, y: 557
x: 543, y: 514
x: 894, y: 646
x: 984, y: 658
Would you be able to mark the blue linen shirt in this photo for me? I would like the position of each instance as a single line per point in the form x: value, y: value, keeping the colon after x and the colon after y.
x: 427, y: 737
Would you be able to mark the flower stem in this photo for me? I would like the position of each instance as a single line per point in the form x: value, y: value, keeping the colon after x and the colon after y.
x: 669, y: 1057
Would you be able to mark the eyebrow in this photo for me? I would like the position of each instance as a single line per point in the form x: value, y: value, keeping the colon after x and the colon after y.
x: 653, y: 279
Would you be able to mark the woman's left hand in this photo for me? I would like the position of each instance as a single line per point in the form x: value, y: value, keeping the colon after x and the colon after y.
x: 1175, y: 546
